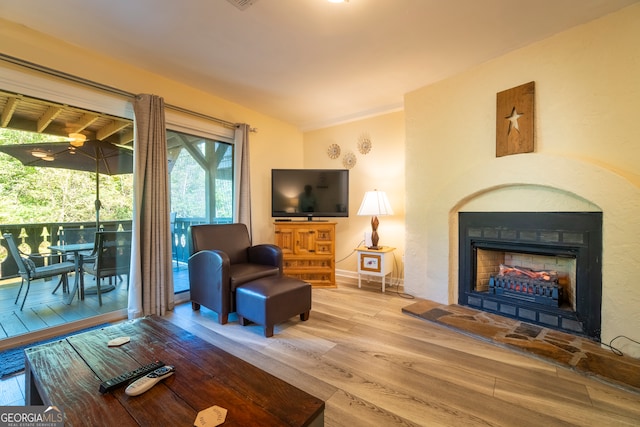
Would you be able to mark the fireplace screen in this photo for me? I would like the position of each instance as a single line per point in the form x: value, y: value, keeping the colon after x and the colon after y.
x: 543, y: 268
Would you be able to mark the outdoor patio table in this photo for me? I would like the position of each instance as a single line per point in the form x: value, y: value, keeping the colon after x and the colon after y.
x: 74, y: 248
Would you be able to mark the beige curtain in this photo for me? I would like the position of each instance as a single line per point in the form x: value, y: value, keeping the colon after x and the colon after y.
x: 151, y: 286
x: 242, y: 206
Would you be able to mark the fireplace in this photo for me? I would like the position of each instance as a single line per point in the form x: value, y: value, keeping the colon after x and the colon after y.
x: 538, y: 267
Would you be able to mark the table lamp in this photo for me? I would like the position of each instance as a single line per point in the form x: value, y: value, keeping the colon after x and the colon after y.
x: 375, y: 203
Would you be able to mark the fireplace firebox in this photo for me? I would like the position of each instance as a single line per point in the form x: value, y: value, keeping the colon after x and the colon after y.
x: 538, y: 267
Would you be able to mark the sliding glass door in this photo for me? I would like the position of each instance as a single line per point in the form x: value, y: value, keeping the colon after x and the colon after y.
x: 201, y: 182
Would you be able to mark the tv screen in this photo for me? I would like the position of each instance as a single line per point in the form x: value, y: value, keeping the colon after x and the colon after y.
x: 309, y: 193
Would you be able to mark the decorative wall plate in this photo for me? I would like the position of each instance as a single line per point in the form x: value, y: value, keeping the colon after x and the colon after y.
x: 364, y: 143
x: 333, y: 151
x: 349, y: 160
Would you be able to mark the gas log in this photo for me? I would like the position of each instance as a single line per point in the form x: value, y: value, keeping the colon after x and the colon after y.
x: 528, y: 285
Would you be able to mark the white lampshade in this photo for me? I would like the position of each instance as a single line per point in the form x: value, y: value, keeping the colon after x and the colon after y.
x: 375, y: 203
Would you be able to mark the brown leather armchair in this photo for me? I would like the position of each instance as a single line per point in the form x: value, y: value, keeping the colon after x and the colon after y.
x: 221, y: 259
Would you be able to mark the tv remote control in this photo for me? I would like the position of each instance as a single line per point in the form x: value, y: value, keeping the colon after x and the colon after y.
x: 143, y: 384
x: 120, y: 380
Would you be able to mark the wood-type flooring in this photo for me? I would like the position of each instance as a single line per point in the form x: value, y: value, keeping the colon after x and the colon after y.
x: 374, y: 365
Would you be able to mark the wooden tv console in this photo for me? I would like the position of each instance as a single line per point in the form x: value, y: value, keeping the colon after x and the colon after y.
x: 308, y: 249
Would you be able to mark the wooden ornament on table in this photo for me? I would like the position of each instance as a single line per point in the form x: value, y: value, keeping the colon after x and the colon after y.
x: 515, y: 123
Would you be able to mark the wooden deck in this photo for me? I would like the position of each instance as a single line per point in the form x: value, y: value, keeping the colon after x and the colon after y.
x: 44, y: 310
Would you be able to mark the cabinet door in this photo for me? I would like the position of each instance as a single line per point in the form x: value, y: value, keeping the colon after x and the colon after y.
x: 285, y: 238
x: 305, y: 241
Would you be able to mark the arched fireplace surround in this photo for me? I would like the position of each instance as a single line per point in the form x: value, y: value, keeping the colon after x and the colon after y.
x: 538, y: 183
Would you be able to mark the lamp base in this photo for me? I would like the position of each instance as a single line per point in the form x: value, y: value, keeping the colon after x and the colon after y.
x: 375, y: 248
x: 374, y: 232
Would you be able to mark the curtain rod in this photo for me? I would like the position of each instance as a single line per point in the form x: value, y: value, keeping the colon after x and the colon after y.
x: 103, y: 87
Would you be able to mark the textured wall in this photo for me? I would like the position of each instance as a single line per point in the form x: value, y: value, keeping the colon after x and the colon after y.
x: 586, y: 157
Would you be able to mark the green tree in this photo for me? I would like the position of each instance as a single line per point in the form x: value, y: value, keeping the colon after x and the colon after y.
x: 40, y: 194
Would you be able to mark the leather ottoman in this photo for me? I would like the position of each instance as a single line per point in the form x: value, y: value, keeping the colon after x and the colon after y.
x: 272, y: 300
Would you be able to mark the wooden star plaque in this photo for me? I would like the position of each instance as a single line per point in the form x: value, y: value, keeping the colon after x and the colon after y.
x: 515, y: 120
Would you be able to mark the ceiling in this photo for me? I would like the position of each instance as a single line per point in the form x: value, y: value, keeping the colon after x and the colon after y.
x: 308, y: 62
x: 24, y: 113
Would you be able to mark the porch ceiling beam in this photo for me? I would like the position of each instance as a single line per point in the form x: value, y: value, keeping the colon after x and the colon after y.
x: 9, y: 109
x: 59, y: 129
x: 47, y: 117
x: 126, y: 137
x: 110, y: 129
x: 195, y: 153
x: 85, y: 121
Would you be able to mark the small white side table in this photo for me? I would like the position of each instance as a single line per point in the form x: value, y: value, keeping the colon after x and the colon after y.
x: 375, y: 262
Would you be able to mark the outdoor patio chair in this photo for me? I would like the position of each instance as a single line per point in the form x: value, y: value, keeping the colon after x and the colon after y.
x: 74, y: 235
x: 29, y: 271
x: 111, y: 257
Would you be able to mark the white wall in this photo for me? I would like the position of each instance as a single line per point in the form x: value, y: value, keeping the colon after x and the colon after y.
x: 586, y: 157
x: 381, y: 168
x: 276, y: 144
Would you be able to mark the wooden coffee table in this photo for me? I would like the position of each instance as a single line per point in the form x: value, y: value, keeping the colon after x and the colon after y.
x: 68, y: 373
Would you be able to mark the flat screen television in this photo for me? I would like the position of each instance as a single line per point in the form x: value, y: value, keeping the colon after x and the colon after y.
x: 309, y: 193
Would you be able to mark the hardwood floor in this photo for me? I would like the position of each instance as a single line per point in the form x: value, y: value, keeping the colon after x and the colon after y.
x: 375, y: 366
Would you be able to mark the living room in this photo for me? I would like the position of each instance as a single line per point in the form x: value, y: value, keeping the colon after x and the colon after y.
x: 585, y: 158
x: 440, y: 149
x: 435, y: 157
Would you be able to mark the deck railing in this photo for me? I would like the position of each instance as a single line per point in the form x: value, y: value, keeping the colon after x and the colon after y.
x: 180, y: 242
x: 37, y: 237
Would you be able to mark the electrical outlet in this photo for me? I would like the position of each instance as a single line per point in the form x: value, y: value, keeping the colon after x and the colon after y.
x: 367, y: 239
